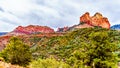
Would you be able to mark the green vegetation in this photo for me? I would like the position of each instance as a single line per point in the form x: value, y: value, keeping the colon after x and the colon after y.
x: 17, y: 52
x: 88, y: 47
x: 95, y: 51
x: 49, y: 63
x: 82, y: 48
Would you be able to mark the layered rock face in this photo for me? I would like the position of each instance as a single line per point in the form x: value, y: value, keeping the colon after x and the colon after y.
x: 96, y: 20
x: 20, y: 30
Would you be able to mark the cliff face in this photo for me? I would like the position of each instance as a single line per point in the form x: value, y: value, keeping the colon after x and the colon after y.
x: 34, y: 28
x: 20, y: 30
x: 87, y: 21
x: 96, y: 20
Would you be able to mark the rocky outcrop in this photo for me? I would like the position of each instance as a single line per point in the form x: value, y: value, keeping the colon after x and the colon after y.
x: 64, y: 29
x: 34, y: 28
x: 87, y: 21
x: 31, y: 29
x: 96, y: 20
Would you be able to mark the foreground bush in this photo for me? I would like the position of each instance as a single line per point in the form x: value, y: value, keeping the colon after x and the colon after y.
x: 49, y: 63
x: 17, y: 52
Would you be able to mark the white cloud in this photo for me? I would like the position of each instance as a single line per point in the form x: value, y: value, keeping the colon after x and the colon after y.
x: 5, y: 27
x: 54, y: 13
x: 16, y: 6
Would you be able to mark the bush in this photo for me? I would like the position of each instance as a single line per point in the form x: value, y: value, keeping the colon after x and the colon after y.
x: 49, y: 63
x: 17, y: 52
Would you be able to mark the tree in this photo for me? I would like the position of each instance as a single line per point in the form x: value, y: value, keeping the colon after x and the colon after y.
x: 96, y: 51
x: 17, y: 52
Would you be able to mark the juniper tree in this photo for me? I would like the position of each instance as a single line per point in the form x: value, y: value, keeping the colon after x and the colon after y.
x: 17, y: 52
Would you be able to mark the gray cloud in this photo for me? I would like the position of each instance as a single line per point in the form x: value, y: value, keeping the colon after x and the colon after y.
x: 1, y: 9
x: 8, y: 21
x: 54, y: 13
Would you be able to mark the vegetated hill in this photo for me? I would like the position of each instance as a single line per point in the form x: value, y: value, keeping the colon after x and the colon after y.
x: 67, y: 47
x: 116, y: 27
x: 31, y: 29
x: 87, y: 21
x: 3, y: 33
x: 74, y: 46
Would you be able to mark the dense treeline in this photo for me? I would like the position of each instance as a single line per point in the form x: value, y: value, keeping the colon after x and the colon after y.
x: 81, y: 48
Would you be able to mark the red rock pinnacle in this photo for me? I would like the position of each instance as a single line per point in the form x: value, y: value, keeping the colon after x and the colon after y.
x: 96, y: 20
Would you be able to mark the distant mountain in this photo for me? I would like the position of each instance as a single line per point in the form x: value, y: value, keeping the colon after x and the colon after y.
x: 31, y: 29
x: 116, y: 27
x: 3, y: 33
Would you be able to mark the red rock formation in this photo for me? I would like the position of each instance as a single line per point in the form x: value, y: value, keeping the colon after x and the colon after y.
x: 64, y: 29
x: 86, y: 18
x: 27, y: 31
x: 35, y: 28
x: 20, y: 30
x: 96, y: 20
x: 87, y: 21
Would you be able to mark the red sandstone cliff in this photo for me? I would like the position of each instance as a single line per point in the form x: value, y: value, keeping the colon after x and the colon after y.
x: 87, y: 21
x: 20, y: 30
x: 96, y: 20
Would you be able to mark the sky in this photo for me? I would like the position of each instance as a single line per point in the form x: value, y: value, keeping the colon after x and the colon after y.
x: 53, y: 13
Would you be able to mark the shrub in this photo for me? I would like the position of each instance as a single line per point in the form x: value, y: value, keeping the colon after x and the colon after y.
x: 49, y: 63
x: 17, y: 52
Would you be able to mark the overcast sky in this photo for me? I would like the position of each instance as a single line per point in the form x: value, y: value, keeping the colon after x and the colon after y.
x: 53, y: 13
